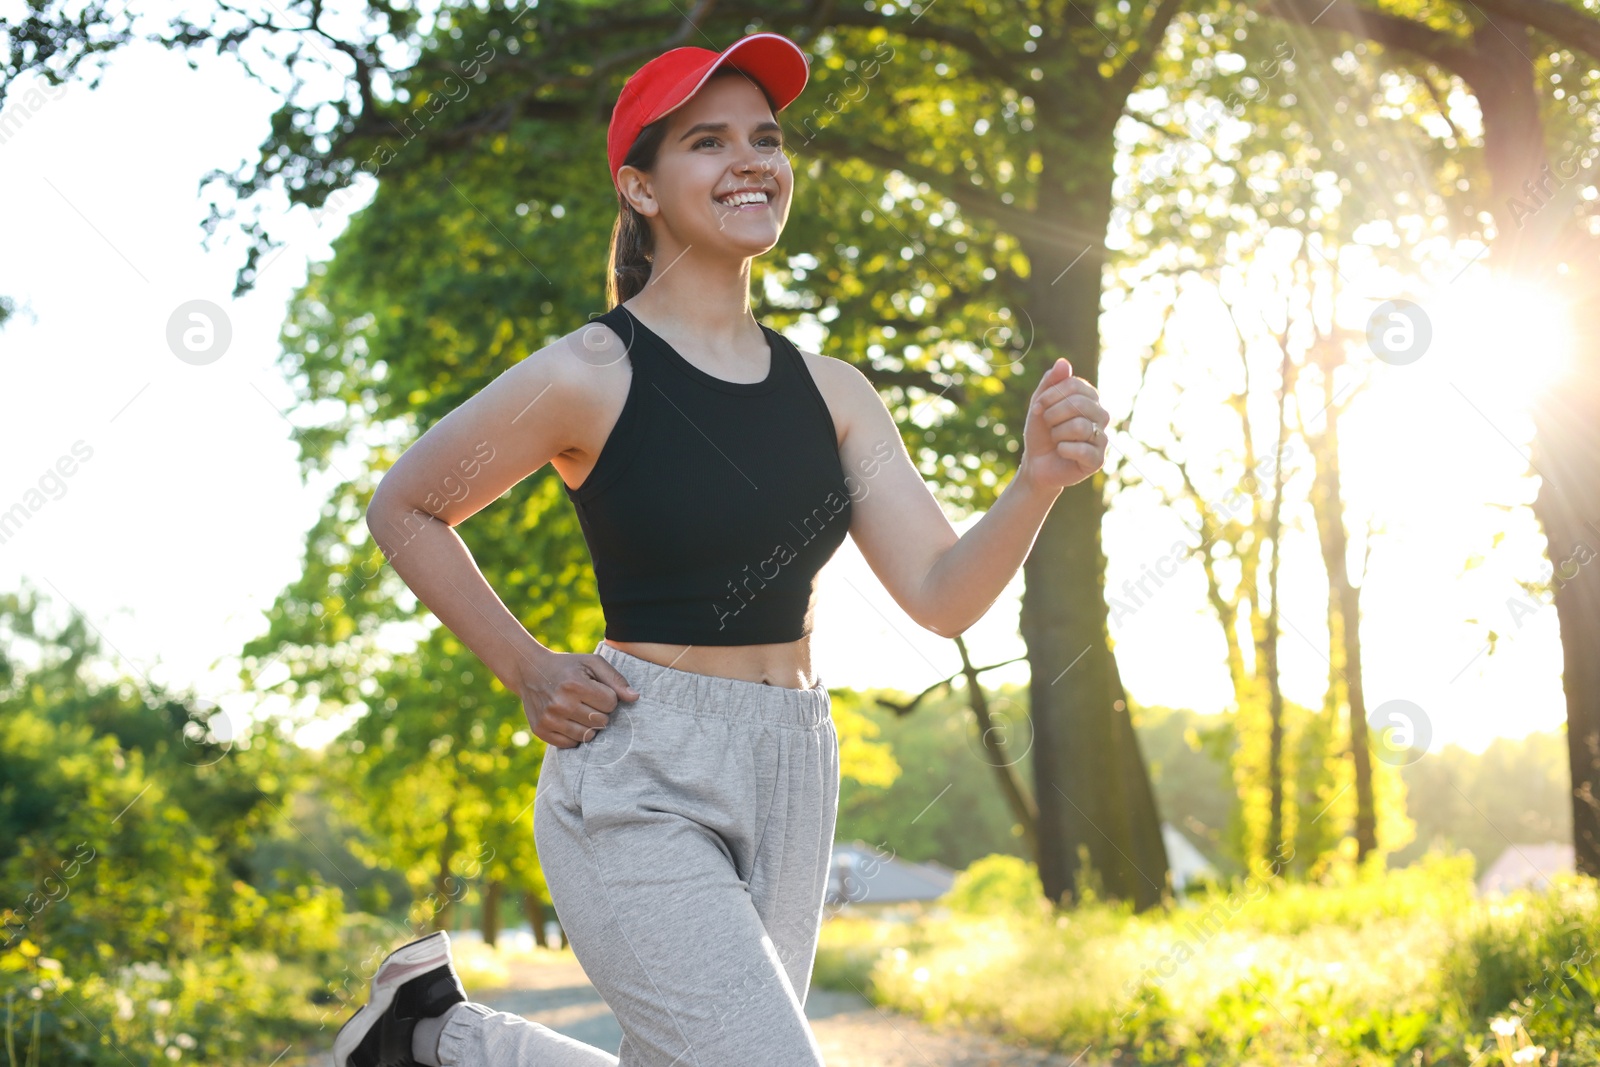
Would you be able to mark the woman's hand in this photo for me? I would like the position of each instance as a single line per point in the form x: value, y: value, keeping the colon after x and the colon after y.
x: 1064, y: 440
x: 569, y: 697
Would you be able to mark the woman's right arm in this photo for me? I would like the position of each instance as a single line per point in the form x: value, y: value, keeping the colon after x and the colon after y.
x: 511, y: 428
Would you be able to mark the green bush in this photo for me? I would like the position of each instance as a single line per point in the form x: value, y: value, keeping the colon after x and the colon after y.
x: 849, y: 948
x: 235, y: 1008
x: 1535, y: 955
x: 997, y: 884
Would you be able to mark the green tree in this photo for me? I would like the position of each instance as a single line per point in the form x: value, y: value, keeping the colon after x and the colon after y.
x: 133, y: 904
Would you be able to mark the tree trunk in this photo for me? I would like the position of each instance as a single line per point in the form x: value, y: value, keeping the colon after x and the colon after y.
x: 1276, y: 834
x: 1083, y: 757
x: 1535, y: 218
x: 490, y: 918
x: 1344, y: 599
x: 1148, y: 849
x: 1360, y: 744
x: 1566, y: 455
x: 444, y: 883
x: 534, y: 909
x: 1567, y: 451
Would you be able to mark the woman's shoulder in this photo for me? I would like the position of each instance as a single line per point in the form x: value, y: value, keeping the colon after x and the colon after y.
x: 569, y: 383
x: 582, y: 365
x: 843, y: 387
x: 831, y: 366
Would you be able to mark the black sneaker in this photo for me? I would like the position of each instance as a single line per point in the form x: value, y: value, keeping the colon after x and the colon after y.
x: 415, y: 981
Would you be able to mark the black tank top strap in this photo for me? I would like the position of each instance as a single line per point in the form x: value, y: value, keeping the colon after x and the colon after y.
x: 625, y: 326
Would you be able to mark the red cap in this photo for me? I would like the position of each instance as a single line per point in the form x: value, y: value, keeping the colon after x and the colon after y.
x: 667, y: 82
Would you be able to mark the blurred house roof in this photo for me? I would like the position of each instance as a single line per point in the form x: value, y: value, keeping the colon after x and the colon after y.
x: 863, y: 874
x: 1184, y: 860
x: 1526, y: 867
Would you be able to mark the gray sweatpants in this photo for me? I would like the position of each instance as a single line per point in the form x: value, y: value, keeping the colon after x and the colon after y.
x: 686, y: 847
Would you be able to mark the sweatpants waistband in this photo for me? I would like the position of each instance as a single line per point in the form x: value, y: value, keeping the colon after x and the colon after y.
x: 730, y: 698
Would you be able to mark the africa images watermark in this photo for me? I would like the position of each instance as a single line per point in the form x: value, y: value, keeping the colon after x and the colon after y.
x: 1204, y: 928
x: 834, y: 105
x: 52, y: 485
x: 454, y: 490
x: 1541, y: 192
x: 1542, y: 594
x: 17, y: 919
x: 1135, y: 591
x: 20, y: 109
x: 740, y: 593
x: 383, y: 155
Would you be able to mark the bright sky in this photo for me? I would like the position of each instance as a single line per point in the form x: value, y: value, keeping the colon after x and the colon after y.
x: 187, y: 516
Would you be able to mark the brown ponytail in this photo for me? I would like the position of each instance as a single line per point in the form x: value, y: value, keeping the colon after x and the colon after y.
x: 633, y: 243
x: 632, y: 247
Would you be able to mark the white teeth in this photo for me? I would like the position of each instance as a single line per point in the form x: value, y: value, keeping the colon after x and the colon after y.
x: 738, y: 199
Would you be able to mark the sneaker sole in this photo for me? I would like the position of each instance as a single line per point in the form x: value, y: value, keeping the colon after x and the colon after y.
x: 397, y: 968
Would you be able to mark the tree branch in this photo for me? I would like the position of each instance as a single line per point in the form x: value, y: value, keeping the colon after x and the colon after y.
x: 978, y: 203
x: 1145, y: 120
x: 903, y: 709
x: 1391, y: 31
x: 1444, y: 109
x: 1124, y: 80
x: 1569, y: 26
x: 1001, y: 67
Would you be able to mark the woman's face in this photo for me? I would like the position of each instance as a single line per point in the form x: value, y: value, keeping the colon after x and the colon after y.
x: 722, y: 141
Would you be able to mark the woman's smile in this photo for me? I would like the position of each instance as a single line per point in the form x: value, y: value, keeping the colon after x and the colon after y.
x: 745, y: 200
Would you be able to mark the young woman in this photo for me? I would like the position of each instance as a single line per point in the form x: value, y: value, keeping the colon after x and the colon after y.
x: 686, y: 802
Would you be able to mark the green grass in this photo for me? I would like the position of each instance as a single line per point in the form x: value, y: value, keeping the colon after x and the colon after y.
x: 1391, y: 967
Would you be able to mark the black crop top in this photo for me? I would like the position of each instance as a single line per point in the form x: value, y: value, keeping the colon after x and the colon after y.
x: 713, y: 504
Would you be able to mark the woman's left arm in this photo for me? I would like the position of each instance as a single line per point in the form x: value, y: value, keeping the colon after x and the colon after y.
x: 945, y: 581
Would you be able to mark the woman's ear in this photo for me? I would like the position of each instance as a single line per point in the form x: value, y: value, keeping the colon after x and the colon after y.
x: 634, y: 185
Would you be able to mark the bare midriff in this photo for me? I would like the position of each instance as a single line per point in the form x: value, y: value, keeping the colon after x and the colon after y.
x: 787, y: 664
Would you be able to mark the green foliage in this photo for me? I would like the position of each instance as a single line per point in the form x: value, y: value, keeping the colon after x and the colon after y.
x: 1534, y: 955
x: 943, y: 802
x: 440, y: 776
x: 137, y: 921
x: 1373, y: 968
x: 221, y: 1007
x: 1320, y: 743
x: 1352, y: 898
x: 1521, y: 783
x: 849, y: 948
x: 997, y: 883
x: 1188, y: 755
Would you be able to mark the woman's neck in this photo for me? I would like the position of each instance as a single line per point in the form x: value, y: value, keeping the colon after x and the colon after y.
x: 702, y: 300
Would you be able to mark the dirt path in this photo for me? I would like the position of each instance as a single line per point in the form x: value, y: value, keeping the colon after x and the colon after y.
x: 851, y: 1031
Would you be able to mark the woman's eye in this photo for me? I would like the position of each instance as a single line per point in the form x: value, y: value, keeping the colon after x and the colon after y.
x: 776, y: 142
